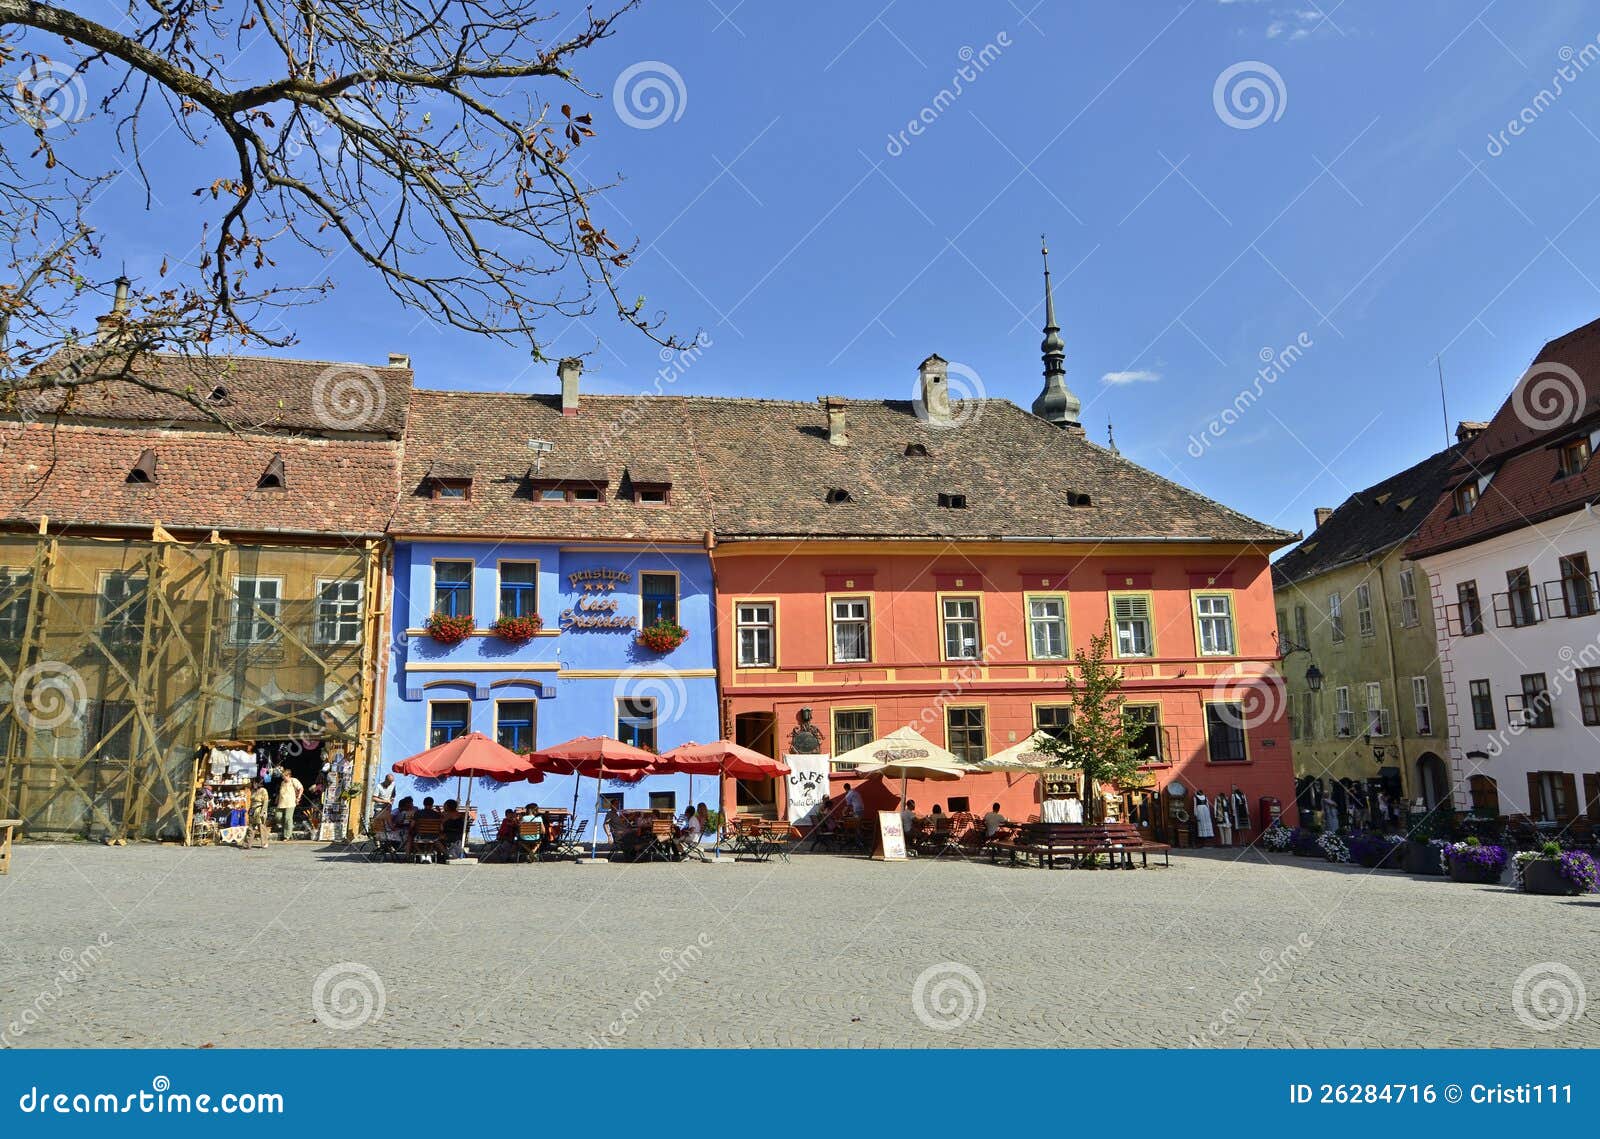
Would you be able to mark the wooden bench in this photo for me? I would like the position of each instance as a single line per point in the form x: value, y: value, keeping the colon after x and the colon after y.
x: 7, y: 826
x: 1080, y: 844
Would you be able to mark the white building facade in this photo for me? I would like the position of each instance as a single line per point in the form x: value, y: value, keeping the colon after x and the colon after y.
x: 1519, y: 652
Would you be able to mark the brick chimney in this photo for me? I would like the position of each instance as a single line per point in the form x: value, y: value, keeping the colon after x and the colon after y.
x: 1323, y: 514
x: 399, y: 360
x: 834, y: 406
x: 934, y: 389
x: 569, y: 369
x: 108, y: 329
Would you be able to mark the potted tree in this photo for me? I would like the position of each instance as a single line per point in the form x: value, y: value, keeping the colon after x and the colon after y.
x: 1557, y: 872
x: 1102, y: 743
x: 1474, y: 861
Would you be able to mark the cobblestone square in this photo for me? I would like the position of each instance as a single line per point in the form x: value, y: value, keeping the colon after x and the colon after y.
x: 309, y: 946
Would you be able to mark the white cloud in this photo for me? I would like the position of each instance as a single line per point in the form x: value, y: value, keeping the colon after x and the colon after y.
x: 1130, y: 377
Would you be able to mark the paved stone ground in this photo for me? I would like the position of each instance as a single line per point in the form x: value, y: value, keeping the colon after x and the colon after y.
x: 303, y: 945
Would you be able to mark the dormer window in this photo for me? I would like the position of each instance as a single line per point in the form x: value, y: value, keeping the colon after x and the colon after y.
x: 652, y: 484
x: 585, y: 494
x: 552, y: 494
x: 456, y: 490
x: 1076, y: 499
x: 144, y: 471
x: 1574, y: 456
x: 566, y: 492
x: 838, y: 494
x: 650, y: 495
x: 1466, y: 497
x: 448, y: 482
x: 916, y: 450
x: 953, y: 501
x: 273, y: 477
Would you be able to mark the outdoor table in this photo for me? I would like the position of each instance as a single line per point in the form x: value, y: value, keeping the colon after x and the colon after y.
x: 6, y: 827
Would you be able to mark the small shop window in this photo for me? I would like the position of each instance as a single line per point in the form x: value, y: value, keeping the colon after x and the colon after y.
x: 338, y: 612
x: 452, y: 588
x: 447, y: 719
x: 659, y: 597
x: 256, y: 602
x: 636, y: 721
x: 966, y: 731
x: 664, y: 801
x: 852, y: 728
x: 519, y: 589
x: 1225, y: 732
x: 514, y: 720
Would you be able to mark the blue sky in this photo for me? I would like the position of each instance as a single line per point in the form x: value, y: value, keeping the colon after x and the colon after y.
x: 1367, y: 214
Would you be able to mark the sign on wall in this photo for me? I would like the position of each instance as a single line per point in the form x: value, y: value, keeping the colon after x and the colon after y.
x: 808, y: 786
x: 600, y: 606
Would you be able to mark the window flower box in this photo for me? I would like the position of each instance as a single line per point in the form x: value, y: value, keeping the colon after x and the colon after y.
x: 448, y: 630
x: 663, y: 636
x: 518, y: 630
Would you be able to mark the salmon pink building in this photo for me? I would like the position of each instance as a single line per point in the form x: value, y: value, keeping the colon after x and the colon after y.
x: 937, y: 563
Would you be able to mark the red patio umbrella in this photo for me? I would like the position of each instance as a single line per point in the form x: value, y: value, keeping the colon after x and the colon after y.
x: 470, y: 756
x: 721, y: 758
x: 598, y: 758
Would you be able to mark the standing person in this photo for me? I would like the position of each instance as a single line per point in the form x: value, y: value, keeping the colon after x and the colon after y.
x: 257, y: 818
x: 289, y: 791
x: 383, y: 794
x: 853, y: 803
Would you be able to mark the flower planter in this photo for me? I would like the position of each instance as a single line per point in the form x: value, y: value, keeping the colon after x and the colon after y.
x: 1476, y: 873
x: 1422, y: 858
x: 1389, y: 859
x: 449, y: 630
x: 663, y: 637
x: 517, y: 630
x: 1543, y: 876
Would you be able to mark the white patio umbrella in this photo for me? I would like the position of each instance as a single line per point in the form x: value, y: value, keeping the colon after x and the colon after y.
x: 1026, y: 756
x: 907, y: 754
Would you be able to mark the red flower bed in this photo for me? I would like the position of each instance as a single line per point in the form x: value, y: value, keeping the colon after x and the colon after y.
x: 663, y: 636
x: 448, y: 630
x: 518, y: 630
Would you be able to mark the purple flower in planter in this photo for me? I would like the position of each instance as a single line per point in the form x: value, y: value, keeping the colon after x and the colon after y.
x: 1579, y: 869
x: 1487, y: 856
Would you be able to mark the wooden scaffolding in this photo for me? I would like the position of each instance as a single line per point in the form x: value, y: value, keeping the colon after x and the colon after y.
x: 122, y: 659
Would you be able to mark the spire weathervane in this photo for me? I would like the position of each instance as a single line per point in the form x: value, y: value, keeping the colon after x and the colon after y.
x: 1056, y: 402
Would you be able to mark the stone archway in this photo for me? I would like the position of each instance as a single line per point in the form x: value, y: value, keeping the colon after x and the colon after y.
x: 1433, y: 780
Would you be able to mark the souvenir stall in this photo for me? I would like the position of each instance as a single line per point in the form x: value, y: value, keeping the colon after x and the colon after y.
x: 222, y: 793
x: 339, y: 791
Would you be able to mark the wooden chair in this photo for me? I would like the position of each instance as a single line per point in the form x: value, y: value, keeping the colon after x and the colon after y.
x: 427, y: 838
x: 530, y: 836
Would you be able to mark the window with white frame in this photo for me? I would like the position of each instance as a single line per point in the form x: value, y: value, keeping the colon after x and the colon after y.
x: 1131, y: 614
x: 1336, y: 616
x: 1408, y: 598
x: 1419, y: 701
x: 1047, y: 627
x: 256, y: 604
x: 1214, y: 612
x: 756, y: 624
x: 961, y: 640
x: 1364, y: 610
x: 338, y: 612
x: 15, y: 587
x: 1342, y: 725
x: 852, y: 630
x: 1377, y: 715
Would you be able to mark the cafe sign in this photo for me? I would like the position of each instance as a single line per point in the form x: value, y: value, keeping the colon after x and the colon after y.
x: 599, y: 605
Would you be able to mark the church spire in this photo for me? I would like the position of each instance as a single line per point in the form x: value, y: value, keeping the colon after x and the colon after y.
x: 1056, y: 402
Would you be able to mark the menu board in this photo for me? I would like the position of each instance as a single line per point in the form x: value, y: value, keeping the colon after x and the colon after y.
x: 891, y: 844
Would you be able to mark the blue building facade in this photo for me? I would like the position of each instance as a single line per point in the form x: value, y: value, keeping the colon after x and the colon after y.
x: 584, y: 674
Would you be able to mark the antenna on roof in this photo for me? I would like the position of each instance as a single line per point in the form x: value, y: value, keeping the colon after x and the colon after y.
x: 540, y: 448
x: 1438, y: 359
x: 1111, y: 438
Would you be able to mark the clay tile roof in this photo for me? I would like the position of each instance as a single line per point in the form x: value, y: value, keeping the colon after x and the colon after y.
x: 649, y: 474
x: 1370, y: 521
x: 1557, y: 399
x: 760, y: 468
x: 449, y: 469
x: 247, y: 392
x: 77, y: 476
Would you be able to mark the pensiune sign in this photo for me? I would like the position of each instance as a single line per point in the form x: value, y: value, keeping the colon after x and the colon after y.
x: 598, y: 605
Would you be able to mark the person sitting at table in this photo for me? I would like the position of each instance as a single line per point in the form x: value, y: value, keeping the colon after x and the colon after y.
x: 993, y: 821
x: 691, y: 830
x: 455, y: 829
x: 704, y: 815
x: 532, y: 814
x: 937, y: 813
x: 429, y: 811
x: 908, y: 817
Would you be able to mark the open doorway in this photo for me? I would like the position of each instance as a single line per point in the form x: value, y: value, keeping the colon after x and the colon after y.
x: 757, y: 731
x: 1432, y: 780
